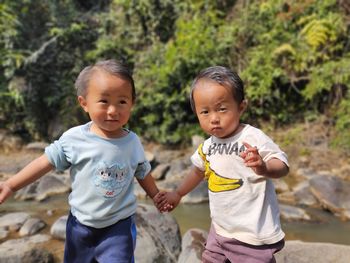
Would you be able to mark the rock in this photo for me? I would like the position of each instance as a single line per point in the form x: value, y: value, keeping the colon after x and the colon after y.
x: 13, y: 221
x: 150, y: 157
x: 158, y: 236
x: 303, y: 195
x: 280, y: 185
x: 51, y: 184
x: 291, y: 213
x: 304, y: 252
x: 37, y: 146
x: 306, y: 173
x: 58, y: 229
x: 166, y: 156
x: 177, y: 167
x: 192, y: 247
x: 198, y: 195
x: 24, y: 250
x: 3, y: 233
x: 287, y: 198
x: 343, y: 172
x: 31, y: 226
x: 28, y: 192
x: 159, y: 172
x: 46, y: 186
x: 333, y: 193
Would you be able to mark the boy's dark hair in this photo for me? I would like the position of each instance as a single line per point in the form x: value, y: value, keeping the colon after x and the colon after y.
x: 225, y: 77
x: 110, y: 66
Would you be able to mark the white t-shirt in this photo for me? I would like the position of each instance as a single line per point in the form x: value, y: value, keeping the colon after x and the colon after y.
x: 243, y: 205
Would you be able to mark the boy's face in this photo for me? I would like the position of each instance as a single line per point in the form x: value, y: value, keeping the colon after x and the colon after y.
x: 217, y: 111
x: 108, y: 103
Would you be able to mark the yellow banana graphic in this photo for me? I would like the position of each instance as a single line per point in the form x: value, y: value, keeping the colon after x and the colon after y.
x: 217, y: 183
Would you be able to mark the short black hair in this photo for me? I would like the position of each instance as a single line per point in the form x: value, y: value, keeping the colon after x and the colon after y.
x: 111, y: 66
x: 225, y: 77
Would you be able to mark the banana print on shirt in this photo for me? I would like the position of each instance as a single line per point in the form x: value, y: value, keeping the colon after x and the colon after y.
x: 217, y: 183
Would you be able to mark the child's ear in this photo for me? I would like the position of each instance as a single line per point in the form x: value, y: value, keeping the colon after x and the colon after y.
x: 243, y: 106
x: 82, y: 102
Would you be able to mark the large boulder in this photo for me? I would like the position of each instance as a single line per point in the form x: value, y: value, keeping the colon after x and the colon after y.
x: 158, y: 236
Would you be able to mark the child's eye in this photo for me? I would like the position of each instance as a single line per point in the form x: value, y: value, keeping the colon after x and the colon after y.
x: 204, y: 112
x: 102, y: 101
x: 222, y: 109
x: 123, y: 102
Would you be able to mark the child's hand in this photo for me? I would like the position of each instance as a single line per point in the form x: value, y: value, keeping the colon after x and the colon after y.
x: 253, y: 159
x: 161, y: 202
x: 5, y: 191
x: 167, y: 201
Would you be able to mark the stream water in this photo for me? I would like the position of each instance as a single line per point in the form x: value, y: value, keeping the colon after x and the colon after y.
x: 328, y: 228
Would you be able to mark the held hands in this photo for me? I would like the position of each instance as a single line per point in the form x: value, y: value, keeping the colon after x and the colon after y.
x: 252, y: 159
x: 166, y: 201
x: 5, y: 191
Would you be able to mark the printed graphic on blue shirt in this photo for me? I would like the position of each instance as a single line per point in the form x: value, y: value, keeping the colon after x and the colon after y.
x: 110, y: 181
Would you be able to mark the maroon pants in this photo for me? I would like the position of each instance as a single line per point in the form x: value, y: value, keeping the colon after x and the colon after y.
x: 220, y: 249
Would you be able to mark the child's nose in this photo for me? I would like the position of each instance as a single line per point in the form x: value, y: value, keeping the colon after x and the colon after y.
x: 214, y: 118
x: 112, y: 110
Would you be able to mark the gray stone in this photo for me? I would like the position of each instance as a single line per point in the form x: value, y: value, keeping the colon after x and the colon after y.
x: 303, y: 195
x: 50, y: 184
x: 160, y: 171
x: 31, y: 226
x: 192, y: 247
x: 3, y: 233
x: 58, y: 229
x: 291, y: 213
x: 158, y: 239
x: 304, y: 252
x: 24, y: 250
x: 36, y: 146
x: 13, y: 221
x: 333, y: 193
x: 280, y: 185
x: 198, y: 195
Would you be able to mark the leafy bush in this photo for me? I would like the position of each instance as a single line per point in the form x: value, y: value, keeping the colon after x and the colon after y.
x: 292, y: 55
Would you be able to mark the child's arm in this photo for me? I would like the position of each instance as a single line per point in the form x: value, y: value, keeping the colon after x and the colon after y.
x: 148, y: 184
x: 187, y: 185
x: 273, y: 168
x: 30, y: 173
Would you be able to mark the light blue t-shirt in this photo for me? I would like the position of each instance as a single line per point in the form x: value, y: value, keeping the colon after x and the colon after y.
x: 102, y: 173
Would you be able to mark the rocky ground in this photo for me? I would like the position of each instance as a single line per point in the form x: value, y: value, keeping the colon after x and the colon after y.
x: 318, y: 174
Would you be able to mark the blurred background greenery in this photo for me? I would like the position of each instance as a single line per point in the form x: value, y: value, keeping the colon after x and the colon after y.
x: 293, y: 55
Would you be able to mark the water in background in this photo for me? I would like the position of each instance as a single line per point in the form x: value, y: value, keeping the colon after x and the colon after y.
x: 329, y: 228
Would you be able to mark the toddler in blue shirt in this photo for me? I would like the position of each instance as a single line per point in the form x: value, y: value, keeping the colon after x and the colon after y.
x: 103, y: 158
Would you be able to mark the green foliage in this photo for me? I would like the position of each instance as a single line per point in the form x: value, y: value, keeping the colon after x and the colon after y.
x: 327, y: 76
x: 342, y: 127
x: 293, y: 55
x: 164, y: 74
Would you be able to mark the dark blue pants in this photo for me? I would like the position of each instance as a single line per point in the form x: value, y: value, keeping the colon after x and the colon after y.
x: 112, y: 244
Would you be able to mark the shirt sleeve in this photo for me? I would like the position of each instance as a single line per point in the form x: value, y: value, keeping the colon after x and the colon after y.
x: 269, y: 149
x: 143, y: 165
x: 197, y: 159
x: 142, y: 169
x: 56, y: 155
